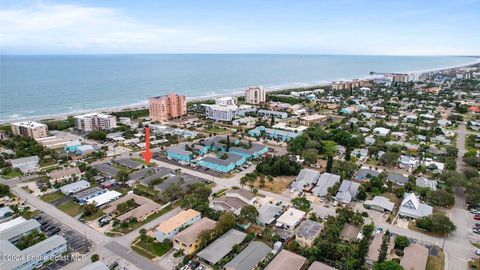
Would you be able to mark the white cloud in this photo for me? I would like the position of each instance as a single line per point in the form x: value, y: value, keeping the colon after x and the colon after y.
x: 77, y: 28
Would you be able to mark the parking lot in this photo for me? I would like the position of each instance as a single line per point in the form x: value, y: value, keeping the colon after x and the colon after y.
x: 76, y: 242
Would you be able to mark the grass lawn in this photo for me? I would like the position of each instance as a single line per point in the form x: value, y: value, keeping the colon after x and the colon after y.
x: 98, y: 214
x: 155, y: 247
x: 143, y: 252
x: 71, y: 208
x: 278, y: 185
x: 436, y: 262
x: 474, y: 264
x: 12, y: 174
x: 53, y: 196
x: 216, y: 129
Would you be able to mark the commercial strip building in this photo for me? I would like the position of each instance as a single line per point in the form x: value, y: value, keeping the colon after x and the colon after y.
x: 75, y: 187
x: 30, y: 257
x: 30, y: 129
x: 104, y: 198
x: 255, y: 95
x: 169, y: 228
x: 91, y: 121
x: 214, y: 252
x: 189, y: 239
x: 163, y: 108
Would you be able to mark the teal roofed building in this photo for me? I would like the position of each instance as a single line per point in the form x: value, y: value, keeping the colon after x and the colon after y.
x: 276, y: 134
x: 72, y: 146
x: 180, y: 154
x: 255, y: 151
x: 225, y: 165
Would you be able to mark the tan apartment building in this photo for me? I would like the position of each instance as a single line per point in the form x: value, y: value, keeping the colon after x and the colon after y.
x: 163, y: 108
x: 255, y: 95
x: 170, y: 227
x: 313, y: 119
x: 188, y: 240
x: 91, y: 121
x: 30, y: 129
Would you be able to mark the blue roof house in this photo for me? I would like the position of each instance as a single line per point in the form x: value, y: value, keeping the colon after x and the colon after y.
x: 179, y: 154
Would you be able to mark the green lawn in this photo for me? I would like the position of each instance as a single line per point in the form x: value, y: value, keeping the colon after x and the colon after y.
x: 71, y: 208
x: 155, y: 247
x: 216, y: 129
x: 436, y: 262
x: 53, y: 196
x: 142, y: 252
x: 12, y: 174
x: 98, y: 214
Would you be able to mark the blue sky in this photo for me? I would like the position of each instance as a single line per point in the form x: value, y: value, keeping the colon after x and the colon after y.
x: 403, y: 27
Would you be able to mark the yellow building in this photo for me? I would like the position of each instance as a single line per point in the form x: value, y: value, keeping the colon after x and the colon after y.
x: 188, y: 240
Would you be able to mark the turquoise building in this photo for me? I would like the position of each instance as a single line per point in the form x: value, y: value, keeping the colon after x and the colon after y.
x: 257, y: 150
x: 179, y: 154
x: 223, y: 165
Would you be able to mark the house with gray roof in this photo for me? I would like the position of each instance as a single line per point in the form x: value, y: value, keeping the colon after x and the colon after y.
x: 305, y: 179
x: 267, y: 214
x: 249, y: 258
x: 325, y: 181
x: 364, y: 174
x: 214, y: 252
x: 411, y: 207
x: 424, y: 182
x: 75, y: 187
x: 307, y: 231
x: 129, y: 163
x: 397, y: 178
x: 16, y: 232
x: 347, y: 192
x: 380, y: 203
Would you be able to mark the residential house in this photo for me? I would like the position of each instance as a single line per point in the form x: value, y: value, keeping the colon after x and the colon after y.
x: 290, y: 219
x: 65, y: 174
x: 414, y: 257
x: 306, y: 179
x: 411, y: 207
x: 347, y: 192
x: 26, y: 164
x: 380, y: 203
x: 214, y: 252
x: 286, y: 260
x: 250, y: 257
x: 325, y: 181
x: 307, y: 232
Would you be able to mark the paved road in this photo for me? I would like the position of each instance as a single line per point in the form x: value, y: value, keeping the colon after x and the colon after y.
x: 461, y: 138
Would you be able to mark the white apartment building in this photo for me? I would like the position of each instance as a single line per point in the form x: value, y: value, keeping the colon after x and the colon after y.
x: 91, y: 121
x: 30, y: 129
x: 255, y: 95
x: 224, y: 109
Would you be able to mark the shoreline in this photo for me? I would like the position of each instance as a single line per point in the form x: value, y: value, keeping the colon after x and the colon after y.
x: 271, y: 89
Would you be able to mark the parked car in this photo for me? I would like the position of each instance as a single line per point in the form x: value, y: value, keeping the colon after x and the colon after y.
x: 477, y: 217
x: 474, y: 211
x: 201, y: 267
x: 477, y: 252
x: 476, y: 230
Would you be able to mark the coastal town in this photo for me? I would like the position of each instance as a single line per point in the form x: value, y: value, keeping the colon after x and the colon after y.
x: 378, y: 173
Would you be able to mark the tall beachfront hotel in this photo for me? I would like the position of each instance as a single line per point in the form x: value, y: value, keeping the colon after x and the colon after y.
x: 166, y: 107
x: 255, y: 95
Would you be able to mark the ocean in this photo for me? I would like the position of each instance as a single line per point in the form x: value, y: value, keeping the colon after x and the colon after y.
x: 33, y: 86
